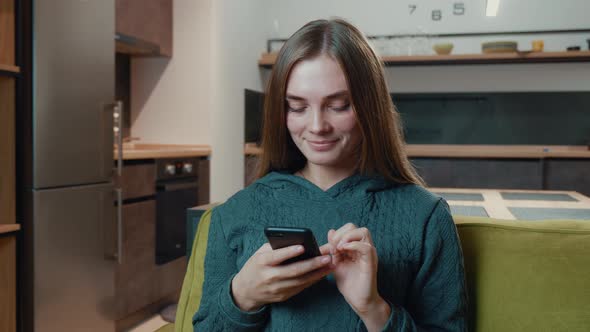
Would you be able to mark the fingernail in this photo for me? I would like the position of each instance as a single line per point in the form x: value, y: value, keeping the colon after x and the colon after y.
x: 340, y: 244
x: 298, y: 248
x: 326, y: 259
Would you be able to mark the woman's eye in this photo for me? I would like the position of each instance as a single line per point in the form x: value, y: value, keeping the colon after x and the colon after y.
x: 295, y: 108
x: 340, y: 107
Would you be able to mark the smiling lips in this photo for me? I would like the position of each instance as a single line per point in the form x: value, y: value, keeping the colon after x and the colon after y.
x: 323, y: 145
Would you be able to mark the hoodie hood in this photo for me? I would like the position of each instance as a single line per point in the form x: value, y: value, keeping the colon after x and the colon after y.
x: 286, y: 186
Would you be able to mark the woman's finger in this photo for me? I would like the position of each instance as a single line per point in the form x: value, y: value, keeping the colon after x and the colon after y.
x: 367, y: 252
x: 337, y: 235
x: 264, y: 248
x: 276, y: 257
x: 298, y: 269
x: 295, y: 285
x: 358, y: 234
x: 326, y: 249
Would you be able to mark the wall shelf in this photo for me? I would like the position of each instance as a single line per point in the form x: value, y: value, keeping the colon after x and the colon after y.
x: 9, y: 69
x: 9, y: 228
x: 267, y: 60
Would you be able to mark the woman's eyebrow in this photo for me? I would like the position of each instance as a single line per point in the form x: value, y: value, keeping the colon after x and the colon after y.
x: 293, y: 97
x: 335, y: 95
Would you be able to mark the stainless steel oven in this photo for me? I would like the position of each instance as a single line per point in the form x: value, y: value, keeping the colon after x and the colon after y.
x: 176, y: 191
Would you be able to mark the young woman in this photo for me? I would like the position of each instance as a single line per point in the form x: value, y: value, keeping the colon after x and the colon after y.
x: 333, y: 161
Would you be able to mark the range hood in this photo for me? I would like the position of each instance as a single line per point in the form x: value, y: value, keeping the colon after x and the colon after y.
x: 134, y: 46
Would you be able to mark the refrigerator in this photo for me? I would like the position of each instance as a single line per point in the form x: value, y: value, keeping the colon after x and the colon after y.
x: 69, y: 240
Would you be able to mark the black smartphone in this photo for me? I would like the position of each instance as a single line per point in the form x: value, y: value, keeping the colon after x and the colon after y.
x: 280, y: 237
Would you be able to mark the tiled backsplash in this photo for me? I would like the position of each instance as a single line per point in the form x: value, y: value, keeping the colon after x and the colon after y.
x: 539, y: 118
x: 535, y: 118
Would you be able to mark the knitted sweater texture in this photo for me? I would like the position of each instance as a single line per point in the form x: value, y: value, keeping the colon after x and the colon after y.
x: 420, y: 272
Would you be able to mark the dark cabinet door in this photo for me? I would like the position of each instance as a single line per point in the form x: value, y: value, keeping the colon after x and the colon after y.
x: 149, y: 21
x: 481, y: 173
x: 7, y: 151
x: 8, y: 284
x: 204, y: 176
x: 568, y: 174
x: 136, y: 286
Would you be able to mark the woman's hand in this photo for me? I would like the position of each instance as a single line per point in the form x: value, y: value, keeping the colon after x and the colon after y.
x: 355, y: 271
x: 263, y: 280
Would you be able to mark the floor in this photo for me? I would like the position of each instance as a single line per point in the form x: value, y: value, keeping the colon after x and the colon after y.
x: 149, y: 325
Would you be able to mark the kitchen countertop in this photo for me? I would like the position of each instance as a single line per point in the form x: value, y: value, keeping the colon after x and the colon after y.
x: 480, y: 151
x: 153, y: 151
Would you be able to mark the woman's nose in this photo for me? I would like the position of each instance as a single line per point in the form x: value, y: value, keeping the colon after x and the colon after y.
x: 319, y: 123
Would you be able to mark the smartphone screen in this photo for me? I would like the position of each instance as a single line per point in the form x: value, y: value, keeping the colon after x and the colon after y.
x: 280, y: 237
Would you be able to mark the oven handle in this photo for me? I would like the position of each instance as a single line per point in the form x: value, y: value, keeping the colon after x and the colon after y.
x: 178, y: 186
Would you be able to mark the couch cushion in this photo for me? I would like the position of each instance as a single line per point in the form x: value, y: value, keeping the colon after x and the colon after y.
x: 527, y: 275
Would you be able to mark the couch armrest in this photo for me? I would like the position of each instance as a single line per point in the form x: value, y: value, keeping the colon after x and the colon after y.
x: 193, y: 216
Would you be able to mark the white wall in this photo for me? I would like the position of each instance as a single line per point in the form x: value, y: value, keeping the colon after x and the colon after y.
x: 197, y: 96
x: 238, y: 39
x: 170, y: 98
x: 392, y: 17
x: 383, y: 17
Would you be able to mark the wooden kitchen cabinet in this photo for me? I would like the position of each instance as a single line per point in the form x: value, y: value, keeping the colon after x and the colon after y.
x: 137, y: 180
x: 7, y: 150
x: 146, y: 20
x: 7, y: 33
x: 7, y: 282
x: 143, y: 287
x: 204, y: 176
x: 8, y: 74
x: 135, y: 284
x: 568, y: 174
x: 480, y: 173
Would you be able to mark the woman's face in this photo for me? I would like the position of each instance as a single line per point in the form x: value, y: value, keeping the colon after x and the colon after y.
x: 320, y: 117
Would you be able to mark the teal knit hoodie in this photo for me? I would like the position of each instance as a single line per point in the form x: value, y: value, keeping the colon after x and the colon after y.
x: 420, y: 273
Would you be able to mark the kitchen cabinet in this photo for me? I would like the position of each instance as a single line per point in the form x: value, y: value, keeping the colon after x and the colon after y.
x: 7, y: 150
x: 137, y: 180
x: 7, y: 282
x: 568, y: 174
x: 136, y: 286
x: 144, y: 27
x: 203, y: 171
x: 480, y: 173
x: 142, y: 286
x: 530, y: 173
x: 7, y: 34
x: 8, y: 71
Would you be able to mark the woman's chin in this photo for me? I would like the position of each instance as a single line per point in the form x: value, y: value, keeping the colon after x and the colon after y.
x: 325, y: 159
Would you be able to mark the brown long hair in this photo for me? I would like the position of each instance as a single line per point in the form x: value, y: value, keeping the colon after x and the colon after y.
x: 383, y: 148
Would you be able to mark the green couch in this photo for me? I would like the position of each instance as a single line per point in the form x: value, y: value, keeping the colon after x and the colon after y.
x: 521, y: 275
